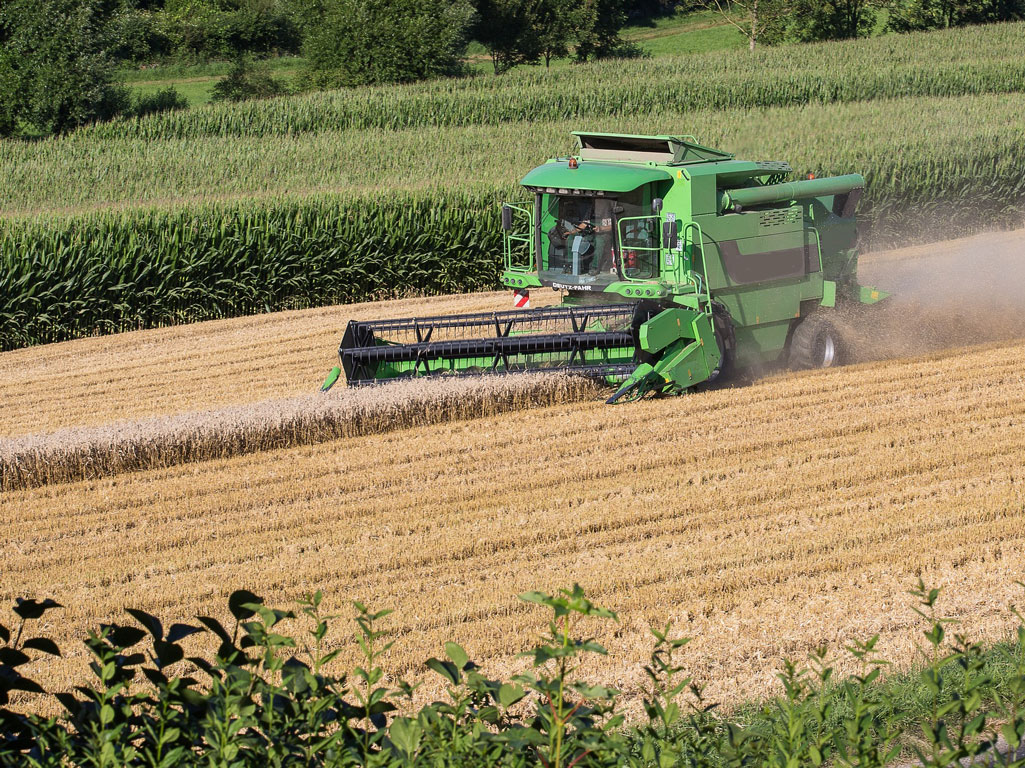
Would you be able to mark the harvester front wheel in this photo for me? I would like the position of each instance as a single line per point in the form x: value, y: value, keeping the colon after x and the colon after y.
x: 816, y: 343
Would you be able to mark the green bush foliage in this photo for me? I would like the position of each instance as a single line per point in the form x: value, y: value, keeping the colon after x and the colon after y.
x: 138, y: 35
x: 830, y: 19
x: 264, y: 697
x: 56, y: 73
x: 165, y: 100
x: 910, y: 15
x: 225, y: 29
x: 365, y: 42
x: 247, y: 80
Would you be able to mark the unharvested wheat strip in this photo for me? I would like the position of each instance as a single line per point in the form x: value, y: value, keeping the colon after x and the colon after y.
x: 85, y: 453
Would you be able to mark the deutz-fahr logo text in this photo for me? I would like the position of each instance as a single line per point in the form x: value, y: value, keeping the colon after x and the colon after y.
x: 564, y: 287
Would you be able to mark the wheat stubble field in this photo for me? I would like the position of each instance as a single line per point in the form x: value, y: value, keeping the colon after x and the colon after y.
x: 764, y: 519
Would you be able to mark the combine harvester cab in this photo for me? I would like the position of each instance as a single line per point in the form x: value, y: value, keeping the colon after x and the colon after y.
x: 676, y: 262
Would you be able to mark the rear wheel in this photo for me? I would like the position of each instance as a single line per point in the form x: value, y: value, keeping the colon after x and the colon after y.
x: 816, y: 343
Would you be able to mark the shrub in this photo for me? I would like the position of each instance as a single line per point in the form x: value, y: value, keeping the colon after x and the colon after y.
x: 273, y: 699
x: 205, y: 30
x: 55, y: 71
x: 138, y: 36
x: 362, y: 42
x: 247, y: 81
x: 165, y: 100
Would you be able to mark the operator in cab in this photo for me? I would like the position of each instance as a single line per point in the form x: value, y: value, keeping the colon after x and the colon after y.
x: 585, y: 225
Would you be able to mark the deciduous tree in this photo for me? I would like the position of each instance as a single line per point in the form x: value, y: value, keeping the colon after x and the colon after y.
x: 55, y: 72
x: 553, y: 24
x: 598, y: 25
x: 759, y: 21
x: 910, y: 15
x: 506, y: 29
x: 363, y: 42
x: 811, y: 20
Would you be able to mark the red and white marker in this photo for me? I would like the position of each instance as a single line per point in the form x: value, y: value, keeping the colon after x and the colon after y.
x: 521, y: 298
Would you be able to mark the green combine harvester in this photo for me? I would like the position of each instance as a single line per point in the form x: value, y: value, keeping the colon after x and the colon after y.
x: 677, y: 264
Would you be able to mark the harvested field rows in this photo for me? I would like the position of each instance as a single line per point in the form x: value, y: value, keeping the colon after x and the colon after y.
x: 86, y: 453
x: 193, y: 367
x: 764, y: 519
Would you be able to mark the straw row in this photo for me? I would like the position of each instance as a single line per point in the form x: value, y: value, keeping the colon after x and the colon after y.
x: 86, y: 453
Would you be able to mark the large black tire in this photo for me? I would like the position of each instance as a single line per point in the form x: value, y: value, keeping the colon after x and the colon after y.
x: 817, y: 343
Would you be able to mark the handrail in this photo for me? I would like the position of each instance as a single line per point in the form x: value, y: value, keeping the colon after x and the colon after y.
x: 510, y: 238
x: 703, y: 278
x: 657, y: 250
x: 818, y: 242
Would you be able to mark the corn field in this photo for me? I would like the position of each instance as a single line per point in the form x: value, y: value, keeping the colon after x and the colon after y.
x: 913, y: 147
x: 969, y: 61
x: 112, y: 272
x: 114, y: 269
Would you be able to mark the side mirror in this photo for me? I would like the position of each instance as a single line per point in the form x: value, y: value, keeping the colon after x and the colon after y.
x: 656, y: 206
x: 507, y: 218
x: 670, y: 239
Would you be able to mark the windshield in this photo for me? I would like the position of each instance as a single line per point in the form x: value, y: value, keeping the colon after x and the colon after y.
x: 580, y: 239
x: 580, y: 242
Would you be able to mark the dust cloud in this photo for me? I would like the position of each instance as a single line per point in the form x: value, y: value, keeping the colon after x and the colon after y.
x: 946, y: 295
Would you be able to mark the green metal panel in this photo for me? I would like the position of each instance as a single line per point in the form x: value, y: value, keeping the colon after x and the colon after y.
x: 683, y: 349
x: 593, y: 176
x: 869, y: 295
x: 704, y: 197
x: 761, y: 343
x: 789, y: 274
x: 760, y: 305
x: 516, y: 279
x: 828, y: 293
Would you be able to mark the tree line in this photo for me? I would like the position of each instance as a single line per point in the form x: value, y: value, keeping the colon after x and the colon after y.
x: 770, y: 22
x: 59, y: 58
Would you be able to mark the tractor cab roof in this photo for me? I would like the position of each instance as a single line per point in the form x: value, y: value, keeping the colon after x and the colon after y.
x: 616, y: 163
x: 562, y: 177
x: 665, y: 150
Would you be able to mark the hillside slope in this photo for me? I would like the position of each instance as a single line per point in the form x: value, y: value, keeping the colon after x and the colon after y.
x: 765, y: 519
